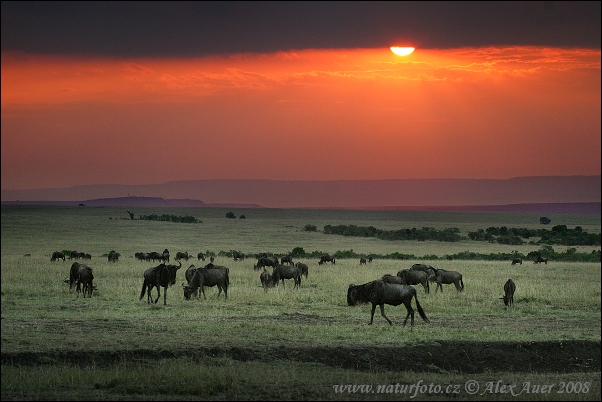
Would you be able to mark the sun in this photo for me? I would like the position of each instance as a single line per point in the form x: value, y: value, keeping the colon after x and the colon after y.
x: 402, y: 51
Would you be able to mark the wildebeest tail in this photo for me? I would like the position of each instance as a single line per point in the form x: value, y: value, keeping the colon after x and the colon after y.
x: 143, y: 289
x: 227, y: 277
x: 461, y: 284
x: 420, y: 310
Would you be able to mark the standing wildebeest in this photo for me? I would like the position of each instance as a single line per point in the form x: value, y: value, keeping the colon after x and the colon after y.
x: 160, y: 276
x: 113, y: 256
x: 182, y: 255
x: 288, y: 259
x: 266, y: 262
x: 57, y: 255
x: 165, y: 256
x: 392, y: 279
x: 380, y: 293
x: 326, y: 258
x: 303, y: 268
x: 362, y: 261
x: 85, y: 277
x: 414, y: 277
x: 282, y: 272
x: 509, y: 288
x: 73, y: 274
x: 541, y: 259
x: 238, y: 256
x: 210, y: 275
x: 448, y: 277
x: 429, y: 270
x: 73, y: 255
x: 517, y: 261
x: 266, y: 280
x: 188, y: 275
x: 200, y: 256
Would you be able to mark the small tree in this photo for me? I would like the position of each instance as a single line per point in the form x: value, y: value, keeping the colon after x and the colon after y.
x: 544, y: 221
x: 242, y: 217
x: 230, y: 215
x: 310, y: 228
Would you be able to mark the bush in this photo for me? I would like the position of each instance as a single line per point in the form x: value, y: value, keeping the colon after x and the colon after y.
x: 310, y: 228
x: 230, y: 215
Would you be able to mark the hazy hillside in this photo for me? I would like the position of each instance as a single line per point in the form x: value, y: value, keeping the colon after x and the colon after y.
x: 342, y: 194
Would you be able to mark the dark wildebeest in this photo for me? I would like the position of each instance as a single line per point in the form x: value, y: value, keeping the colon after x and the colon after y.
x: 73, y: 255
x: 429, y: 270
x: 362, y: 261
x: 73, y: 274
x: 238, y: 256
x: 266, y: 262
x: 85, y: 277
x: 165, y: 256
x: 288, y: 259
x: 517, y: 261
x: 182, y: 255
x: 369, y: 259
x: 113, y: 256
x: 447, y: 278
x: 391, y: 279
x: 541, y: 259
x: 200, y: 256
x: 210, y: 275
x: 414, y: 277
x: 303, y: 268
x: 266, y: 280
x: 160, y: 276
x: 282, y: 272
x: 509, y: 288
x: 188, y: 275
x: 380, y: 293
x: 57, y: 255
x: 326, y: 258
x: 81, y: 255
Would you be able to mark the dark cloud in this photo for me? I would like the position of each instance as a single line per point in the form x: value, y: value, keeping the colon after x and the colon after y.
x: 174, y: 28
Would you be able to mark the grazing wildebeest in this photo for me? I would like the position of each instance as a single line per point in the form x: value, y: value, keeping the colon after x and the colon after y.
x: 57, y: 255
x: 73, y: 274
x: 392, y: 279
x: 73, y: 255
x: 160, y: 276
x: 517, y: 261
x: 266, y: 262
x: 414, y: 277
x: 303, y: 268
x: 362, y: 261
x: 282, y: 272
x: 429, y: 270
x: 113, y: 256
x: 85, y: 277
x: 448, y: 277
x: 288, y: 259
x: 200, y: 256
x: 210, y: 275
x: 326, y: 258
x: 182, y: 255
x: 541, y: 259
x: 266, y: 280
x: 509, y: 288
x: 380, y: 293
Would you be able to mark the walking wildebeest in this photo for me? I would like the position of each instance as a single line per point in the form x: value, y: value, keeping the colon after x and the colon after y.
x: 517, y: 261
x: 509, y: 288
x: 303, y: 268
x: 57, y: 255
x: 282, y: 272
x: 210, y: 275
x: 326, y: 258
x: 160, y: 276
x: 414, y: 277
x: 541, y: 259
x: 380, y: 293
x: 448, y: 277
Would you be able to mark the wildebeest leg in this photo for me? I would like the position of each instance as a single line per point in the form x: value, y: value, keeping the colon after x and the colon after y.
x: 410, y: 314
x: 372, y: 314
x: 382, y: 312
x: 165, y: 296
x: 158, y: 294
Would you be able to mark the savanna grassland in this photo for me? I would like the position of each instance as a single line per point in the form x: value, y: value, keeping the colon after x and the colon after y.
x: 295, y: 344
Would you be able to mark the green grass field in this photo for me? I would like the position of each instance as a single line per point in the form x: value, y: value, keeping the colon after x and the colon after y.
x: 286, y: 343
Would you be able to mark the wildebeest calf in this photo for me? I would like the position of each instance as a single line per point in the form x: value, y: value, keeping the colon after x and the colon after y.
x: 380, y: 293
x: 266, y: 280
x: 509, y: 288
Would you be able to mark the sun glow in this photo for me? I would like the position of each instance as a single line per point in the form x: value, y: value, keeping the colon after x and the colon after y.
x: 402, y: 51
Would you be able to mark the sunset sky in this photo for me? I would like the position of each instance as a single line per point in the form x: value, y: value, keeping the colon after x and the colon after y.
x: 145, y: 93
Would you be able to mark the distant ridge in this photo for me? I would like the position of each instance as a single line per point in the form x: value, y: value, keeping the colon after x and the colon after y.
x: 340, y: 194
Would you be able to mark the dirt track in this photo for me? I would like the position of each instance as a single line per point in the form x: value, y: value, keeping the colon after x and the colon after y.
x: 441, y: 357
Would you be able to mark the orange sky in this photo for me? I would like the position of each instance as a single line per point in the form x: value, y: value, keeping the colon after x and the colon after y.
x: 306, y: 115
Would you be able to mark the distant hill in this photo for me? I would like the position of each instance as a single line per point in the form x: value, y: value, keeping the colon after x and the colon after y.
x: 339, y: 194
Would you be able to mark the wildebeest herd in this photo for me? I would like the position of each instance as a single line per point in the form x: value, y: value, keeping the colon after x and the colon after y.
x: 389, y: 289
